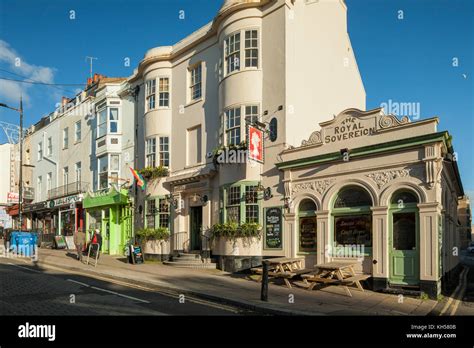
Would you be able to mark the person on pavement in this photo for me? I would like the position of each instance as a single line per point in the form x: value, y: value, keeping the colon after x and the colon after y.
x: 97, y: 239
x: 79, y: 241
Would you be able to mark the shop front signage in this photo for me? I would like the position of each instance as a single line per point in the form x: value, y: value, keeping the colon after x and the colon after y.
x: 64, y: 201
x: 105, y: 197
x: 35, y: 207
x: 273, y: 228
x: 13, y: 197
x: 350, y: 128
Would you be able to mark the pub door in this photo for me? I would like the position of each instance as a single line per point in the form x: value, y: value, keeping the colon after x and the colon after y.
x: 195, y: 227
x: 404, y: 248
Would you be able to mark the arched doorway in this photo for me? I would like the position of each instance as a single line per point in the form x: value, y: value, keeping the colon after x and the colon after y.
x: 352, y: 223
x: 404, y: 239
x: 307, y: 226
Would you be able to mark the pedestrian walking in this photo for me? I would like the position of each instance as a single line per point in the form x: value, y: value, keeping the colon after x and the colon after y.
x: 79, y: 241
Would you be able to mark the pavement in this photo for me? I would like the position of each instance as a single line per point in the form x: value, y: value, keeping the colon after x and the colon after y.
x: 226, y: 289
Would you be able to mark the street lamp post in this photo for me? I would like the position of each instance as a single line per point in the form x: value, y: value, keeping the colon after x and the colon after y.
x: 20, y: 140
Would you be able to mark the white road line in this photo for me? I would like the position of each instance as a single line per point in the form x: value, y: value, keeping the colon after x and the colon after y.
x: 118, y: 294
x: 28, y: 269
x: 75, y: 281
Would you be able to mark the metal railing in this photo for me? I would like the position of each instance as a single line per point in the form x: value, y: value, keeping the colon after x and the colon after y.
x: 69, y: 189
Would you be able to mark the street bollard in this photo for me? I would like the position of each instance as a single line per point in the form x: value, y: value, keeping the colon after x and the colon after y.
x: 264, y: 291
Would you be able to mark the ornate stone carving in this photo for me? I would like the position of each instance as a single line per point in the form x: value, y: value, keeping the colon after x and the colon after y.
x: 319, y: 186
x: 314, y: 138
x: 302, y: 187
x: 383, y: 178
x: 387, y: 121
x: 322, y: 185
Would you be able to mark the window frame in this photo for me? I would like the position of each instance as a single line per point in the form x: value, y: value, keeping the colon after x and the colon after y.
x: 78, y: 131
x: 65, y: 138
x: 150, y: 156
x: 232, y: 132
x: 40, y: 151
x: 66, y: 175
x: 242, y: 185
x: 235, y: 54
x: 150, y: 96
x: 157, y: 213
x: 110, y: 121
x: 194, y: 83
x: 78, y: 169
x: 101, y: 125
x: 164, y: 162
x: 163, y: 95
x: 49, y: 147
x: 251, y: 49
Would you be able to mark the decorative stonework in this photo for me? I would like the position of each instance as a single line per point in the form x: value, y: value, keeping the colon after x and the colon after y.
x: 388, y: 121
x: 383, y: 178
x: 319, y: 186
x: 314, y: 138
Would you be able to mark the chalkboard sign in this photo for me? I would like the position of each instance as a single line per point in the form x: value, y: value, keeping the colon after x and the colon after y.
x: 273, y: 228
x: 137, y: 254
x: 60, y: 242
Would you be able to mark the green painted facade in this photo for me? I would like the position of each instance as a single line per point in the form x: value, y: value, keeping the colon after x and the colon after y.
x: 110, y: 211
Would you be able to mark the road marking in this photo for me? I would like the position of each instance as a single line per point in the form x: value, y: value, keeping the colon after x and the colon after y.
x: 75, y: 281
x: 461, y: 293
x: 163, y: 292
x: 118, y: 294
x: 454, y: 294
x: 28, y: 269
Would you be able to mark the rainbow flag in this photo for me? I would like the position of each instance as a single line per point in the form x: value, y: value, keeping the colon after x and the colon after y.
x: 139, y: 179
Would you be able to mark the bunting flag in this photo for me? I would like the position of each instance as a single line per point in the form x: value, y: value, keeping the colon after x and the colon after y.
x: 138, y: 179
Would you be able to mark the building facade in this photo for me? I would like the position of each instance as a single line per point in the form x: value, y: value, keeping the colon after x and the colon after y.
x: 382, y: 191
x: 200, y: 95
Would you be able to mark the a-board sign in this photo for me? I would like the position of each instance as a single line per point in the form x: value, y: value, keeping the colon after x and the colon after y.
x: 70, y: 242
x: 60, y: 242
x: 273, y: 228
x: 137, y: 254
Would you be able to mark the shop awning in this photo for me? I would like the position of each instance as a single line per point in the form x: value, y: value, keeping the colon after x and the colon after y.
x: 105, y: 197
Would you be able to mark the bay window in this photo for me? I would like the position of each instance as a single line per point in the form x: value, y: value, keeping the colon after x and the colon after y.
x: 233, y: 204
x: 164, y: 152
x: 113, y: 120
x: 251, y: 48
x: 150, y: 213
x: 164, y: 92
x: 232, y: 128
x: 150, y: 152
x: 163, y: 213
x: 102, y: 123
x: 150, y: 89
x: 232, y: 53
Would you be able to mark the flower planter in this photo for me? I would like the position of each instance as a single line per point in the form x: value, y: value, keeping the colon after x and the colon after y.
x: 238, y: 247
x: 157, y: 247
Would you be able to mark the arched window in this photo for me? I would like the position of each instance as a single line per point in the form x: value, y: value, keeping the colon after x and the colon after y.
x: 353, y: 196
x: 352, y: 222
x: 307, y: 225
x: 404, y: 197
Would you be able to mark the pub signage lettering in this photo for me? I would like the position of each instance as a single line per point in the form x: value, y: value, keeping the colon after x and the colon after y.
x: 64, y: 201
x: 350, y: 128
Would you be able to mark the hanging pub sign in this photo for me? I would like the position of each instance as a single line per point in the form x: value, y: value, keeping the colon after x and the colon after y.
x: 273, y: 228
x: 255, y: 144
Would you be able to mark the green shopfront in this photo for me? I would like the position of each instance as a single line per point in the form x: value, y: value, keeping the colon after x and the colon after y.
x: 110, y: 211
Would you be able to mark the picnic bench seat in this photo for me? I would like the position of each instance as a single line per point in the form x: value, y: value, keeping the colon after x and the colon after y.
x: 285, y: 275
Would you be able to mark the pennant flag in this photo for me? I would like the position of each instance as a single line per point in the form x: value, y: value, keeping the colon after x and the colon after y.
x: 139, y: 179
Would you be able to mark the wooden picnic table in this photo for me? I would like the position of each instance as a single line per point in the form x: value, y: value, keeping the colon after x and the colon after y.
x: 335, y: 273
x: 284, y: 267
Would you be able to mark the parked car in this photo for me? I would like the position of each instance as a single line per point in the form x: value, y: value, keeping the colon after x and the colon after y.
x: 470, y: 248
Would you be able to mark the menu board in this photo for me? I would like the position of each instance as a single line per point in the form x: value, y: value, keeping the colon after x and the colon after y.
x: 60, y: 242
x: 273, y: 228
x: 308, y: 234
x: 354, y: 230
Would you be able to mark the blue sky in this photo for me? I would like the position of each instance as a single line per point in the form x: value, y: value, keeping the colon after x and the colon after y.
x: 407, y: 60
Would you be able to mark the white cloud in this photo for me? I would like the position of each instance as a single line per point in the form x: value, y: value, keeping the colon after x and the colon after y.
x: 10, y: 91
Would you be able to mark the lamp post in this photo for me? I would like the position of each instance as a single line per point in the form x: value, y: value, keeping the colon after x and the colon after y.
x: 20, y: 140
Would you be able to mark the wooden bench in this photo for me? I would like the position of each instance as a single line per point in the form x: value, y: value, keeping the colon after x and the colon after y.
x: 274, y: 273
x: 356, y: 280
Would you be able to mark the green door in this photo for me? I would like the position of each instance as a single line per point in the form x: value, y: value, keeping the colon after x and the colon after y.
x: 404, y: 247
x: 105, y: 231
x: 195, y: 227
